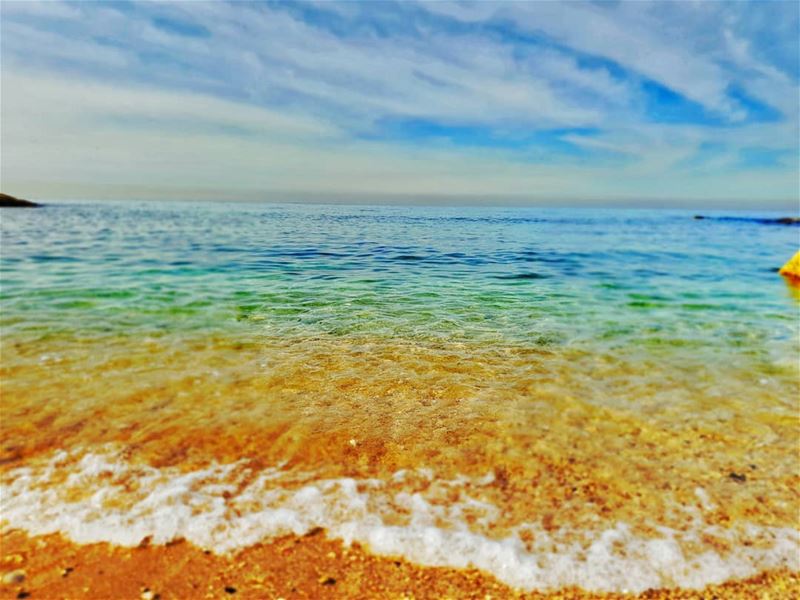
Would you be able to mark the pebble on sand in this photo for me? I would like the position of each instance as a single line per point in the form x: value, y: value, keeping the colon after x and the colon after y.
x: 13, y: 577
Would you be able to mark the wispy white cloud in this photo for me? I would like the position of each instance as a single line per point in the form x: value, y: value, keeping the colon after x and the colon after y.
x: 681, y: 45
x: 546, y: 99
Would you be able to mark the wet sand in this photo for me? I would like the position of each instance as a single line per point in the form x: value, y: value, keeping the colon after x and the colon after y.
x: 329, y: 411
x: 310, y: 566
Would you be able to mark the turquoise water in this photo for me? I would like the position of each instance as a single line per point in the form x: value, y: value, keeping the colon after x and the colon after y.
x: 546, y: 277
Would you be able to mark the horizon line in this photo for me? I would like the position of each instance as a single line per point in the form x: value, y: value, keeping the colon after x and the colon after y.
x: 363, y: 198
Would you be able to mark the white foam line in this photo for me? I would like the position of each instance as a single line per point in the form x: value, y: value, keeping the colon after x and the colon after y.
x: 123, y: 504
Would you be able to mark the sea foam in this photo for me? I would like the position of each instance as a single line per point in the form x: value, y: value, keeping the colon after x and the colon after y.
x: 100, y: 497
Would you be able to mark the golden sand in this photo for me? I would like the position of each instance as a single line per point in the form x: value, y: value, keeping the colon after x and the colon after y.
x: 343, y: 410
x: 349, y: 410
x: 290, y: 567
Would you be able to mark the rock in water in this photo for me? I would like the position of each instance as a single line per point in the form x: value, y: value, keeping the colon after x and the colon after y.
x: 12, y: 202
x: 763, y: 221
x: 791, y: 270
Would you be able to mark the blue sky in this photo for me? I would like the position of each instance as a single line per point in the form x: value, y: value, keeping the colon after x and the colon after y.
x: 652, y: 103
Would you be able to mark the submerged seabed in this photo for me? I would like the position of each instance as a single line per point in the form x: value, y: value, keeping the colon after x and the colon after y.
x: 599, y: 398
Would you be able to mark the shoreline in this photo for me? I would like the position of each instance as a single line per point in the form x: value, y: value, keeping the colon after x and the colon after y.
x: 310, y: 566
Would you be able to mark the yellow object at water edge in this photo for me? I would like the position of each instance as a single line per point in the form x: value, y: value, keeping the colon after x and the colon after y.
x: 792, y: 268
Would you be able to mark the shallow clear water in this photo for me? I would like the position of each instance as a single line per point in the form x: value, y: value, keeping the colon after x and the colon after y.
x: 532, y: 276
x: 603, y: 367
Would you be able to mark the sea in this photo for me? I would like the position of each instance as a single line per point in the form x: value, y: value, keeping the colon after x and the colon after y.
x: 603, y: 398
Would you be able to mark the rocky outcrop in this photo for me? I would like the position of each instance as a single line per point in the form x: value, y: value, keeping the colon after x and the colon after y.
x: 7, y: 201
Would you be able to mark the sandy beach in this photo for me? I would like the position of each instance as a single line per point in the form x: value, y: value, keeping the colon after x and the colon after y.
x: 310, y: 566
x: 352, y: 418
x: 399, y: 300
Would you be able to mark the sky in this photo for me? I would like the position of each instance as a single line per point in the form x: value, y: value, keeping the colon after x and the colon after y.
x: 690, y: 103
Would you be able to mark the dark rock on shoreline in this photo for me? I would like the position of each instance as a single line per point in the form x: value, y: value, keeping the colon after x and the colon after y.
x: 7, y: 201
